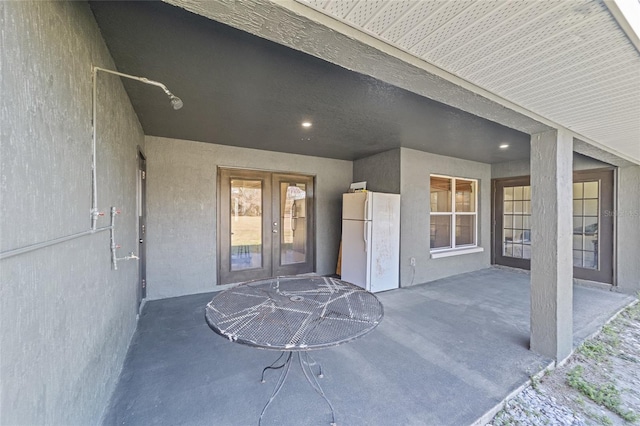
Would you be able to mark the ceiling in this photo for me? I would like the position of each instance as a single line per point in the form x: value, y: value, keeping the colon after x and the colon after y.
x: 243, y: 90
x: 567, y: 61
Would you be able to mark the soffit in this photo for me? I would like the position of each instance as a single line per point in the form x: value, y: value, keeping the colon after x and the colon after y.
x: 567, y: 61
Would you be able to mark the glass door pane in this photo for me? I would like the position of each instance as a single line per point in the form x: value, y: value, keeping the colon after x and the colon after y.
x: 293, y: 224
x: 593, y: 225
x: 293, y: 216
x: 244, y: 218
x: 585, y: 224
x: 516, y: 231
x: 246, y: 224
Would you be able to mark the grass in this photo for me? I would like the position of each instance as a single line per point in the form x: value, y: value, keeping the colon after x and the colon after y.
x: 601, y: 419
x: 594, y: 349
x: 247, y: 230
x: 606, y: 395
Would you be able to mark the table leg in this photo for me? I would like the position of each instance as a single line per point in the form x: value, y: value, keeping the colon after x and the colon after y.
x: 311, y: 378
x: 305, y: 366
x: 281, y: 380
x: 314, y: 362
x: 271, y: 367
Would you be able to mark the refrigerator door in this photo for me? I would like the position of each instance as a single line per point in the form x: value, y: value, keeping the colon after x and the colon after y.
x: 356, y: 235
x: 356, y: 206
x: 385, y: 242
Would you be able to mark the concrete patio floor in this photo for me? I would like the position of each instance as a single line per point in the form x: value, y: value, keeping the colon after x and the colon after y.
x: 445, y: 354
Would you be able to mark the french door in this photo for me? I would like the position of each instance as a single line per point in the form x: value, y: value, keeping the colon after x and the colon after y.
x: 592, y: 224
x: 265, y: 226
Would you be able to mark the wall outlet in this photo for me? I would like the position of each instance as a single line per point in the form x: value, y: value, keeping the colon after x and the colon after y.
x: 412, y: 261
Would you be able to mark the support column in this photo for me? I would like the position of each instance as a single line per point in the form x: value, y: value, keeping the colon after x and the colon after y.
x: 551, y: 244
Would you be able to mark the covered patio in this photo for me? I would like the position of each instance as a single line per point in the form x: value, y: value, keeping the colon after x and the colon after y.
x: 447, y: 352
x: 126, y: 127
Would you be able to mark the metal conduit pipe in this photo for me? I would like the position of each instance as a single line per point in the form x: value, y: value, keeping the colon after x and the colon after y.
x: 37, y: 246
x: 114, y: 246
x: 176, y: 103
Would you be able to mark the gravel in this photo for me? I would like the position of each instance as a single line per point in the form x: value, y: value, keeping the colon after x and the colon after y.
x: 532, y: 407
x: 610, y: 360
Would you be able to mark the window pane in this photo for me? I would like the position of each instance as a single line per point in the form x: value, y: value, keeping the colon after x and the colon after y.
x: 577, y: 190
x: 517, y: 193
x: 517, y: 222
x: 440, y: 194
x: 465, y: 195
x: 590, y: 243
x: 577, y: 224
x: 507, y: 221
x: 590, y: 225
x: 440, y: 231
x: 517, y: 207
x: 465, y: 230
x: 585, y: 225
x: 577, y: 242
x: 526, y: 193
x: 590, y: 260
x: 246, y: 224
x: 508, y: 194
x: 508, y: 206
x: 577, y: 207
x: 526, y: 207
x: 577, y: 258
x: 526, y: 222
x: 293, y: 217
x: 508, y: 235
x: 590, y: 207
x: 591, y: 189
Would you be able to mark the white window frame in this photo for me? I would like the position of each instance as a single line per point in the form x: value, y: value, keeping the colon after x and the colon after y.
x: 455, y: 249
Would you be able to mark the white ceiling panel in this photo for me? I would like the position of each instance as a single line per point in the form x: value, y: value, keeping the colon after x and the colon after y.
x: 568, y: 61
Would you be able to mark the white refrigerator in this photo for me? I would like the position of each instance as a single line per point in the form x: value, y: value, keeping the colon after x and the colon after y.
x: 371, y: 240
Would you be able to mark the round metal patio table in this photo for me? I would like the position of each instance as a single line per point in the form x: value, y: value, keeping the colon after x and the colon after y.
x: 294, y: 315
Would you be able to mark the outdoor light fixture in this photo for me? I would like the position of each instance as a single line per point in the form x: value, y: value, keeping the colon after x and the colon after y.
x: 176, y: 103
x: 306, y: 124
x: 504, y: 146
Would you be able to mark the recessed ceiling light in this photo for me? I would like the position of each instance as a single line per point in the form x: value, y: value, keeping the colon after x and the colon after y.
x: 504, y: 146
x: 306, y: 124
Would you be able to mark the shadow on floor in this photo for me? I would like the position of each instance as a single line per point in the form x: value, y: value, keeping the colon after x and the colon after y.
x: 445, y: 353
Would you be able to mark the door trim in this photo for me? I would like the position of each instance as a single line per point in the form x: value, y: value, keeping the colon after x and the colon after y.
x: 141, y: 219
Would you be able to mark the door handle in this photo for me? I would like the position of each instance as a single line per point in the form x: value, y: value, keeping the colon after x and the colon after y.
x: 275, y: 231
x: 365, y: 226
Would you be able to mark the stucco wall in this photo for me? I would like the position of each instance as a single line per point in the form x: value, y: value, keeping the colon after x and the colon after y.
x: 381, y: 171
x: 416, y: 167
x: 628, y: 235
x: 181, y: 208
x: 66, y: 317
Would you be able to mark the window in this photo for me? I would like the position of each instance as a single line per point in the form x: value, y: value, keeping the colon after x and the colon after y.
x: 454, y: 215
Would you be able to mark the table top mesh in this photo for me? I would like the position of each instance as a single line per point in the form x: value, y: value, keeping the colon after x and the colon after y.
x: 294, y: 313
